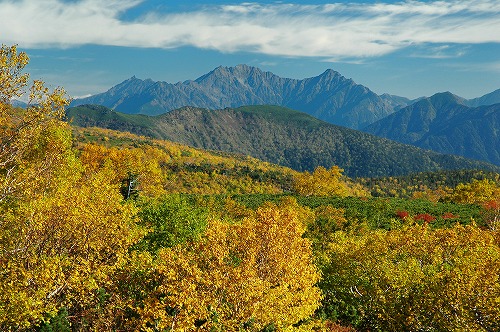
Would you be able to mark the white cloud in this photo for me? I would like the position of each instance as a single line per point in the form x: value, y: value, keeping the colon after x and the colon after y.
x: 81, y: 97
x: 440, y: 52
x: 336, y: 30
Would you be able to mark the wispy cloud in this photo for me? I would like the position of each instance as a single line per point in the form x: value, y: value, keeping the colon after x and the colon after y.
x: 334, y: 31
x: 487, y: 67
x: 440, y: 51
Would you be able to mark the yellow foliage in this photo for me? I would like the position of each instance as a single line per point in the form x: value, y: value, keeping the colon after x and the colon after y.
x: 432, y: 195
x: 244, y: 275
x: 417, y: 278
x: 12, y: 81
x: 140, y: 163
x: 62, y: 231
x: 327, y: 221
x: 321, y: 182
x: 475, y: 192
x: 65, y: 246
x: 163, y: 166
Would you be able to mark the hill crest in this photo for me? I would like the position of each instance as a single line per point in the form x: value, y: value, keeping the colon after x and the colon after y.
x: 281, y: 136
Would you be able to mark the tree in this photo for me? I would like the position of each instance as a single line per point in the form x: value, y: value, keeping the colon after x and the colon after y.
x: 31, y: 140
x: 485, y: 193
x: 321, y: 182
x: 475, y: 192
x: 172, y: 220
x: 248, y: 275
x: 12, y: 80
x: 62, y: 230
x: 414, y: 279
x: 136, y: 170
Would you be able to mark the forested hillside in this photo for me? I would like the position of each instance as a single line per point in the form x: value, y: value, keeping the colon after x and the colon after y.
x: 280, y: 136
x: 444, y: 123
x: 102, y: 230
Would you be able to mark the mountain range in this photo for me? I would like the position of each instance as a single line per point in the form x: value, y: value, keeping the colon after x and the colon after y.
x: 448, y: 124
x: 488, y: 99
x: 330, y: 96
x: 444, y: 122
x: 278, y: 135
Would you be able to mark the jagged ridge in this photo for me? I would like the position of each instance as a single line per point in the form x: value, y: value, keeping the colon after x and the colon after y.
x: 329, y: 96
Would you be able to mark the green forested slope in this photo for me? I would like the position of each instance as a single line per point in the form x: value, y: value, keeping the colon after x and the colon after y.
x: 444, y: 123
x: 280, y: 136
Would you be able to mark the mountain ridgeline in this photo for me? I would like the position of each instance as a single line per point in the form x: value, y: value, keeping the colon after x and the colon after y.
x: 488, y: 99
x: 278, y: 135
x: 446, y: 123
x: 330, y: 96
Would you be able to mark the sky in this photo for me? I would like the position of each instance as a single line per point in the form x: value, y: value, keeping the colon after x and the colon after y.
x: 408, y: 48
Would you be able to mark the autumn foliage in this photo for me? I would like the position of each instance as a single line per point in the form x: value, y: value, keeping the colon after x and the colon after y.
x: 321, y: 182
x: 237, y: 276
x: 108, y: 231
x: 70, y: 238
x: 415, y: 278
x: 62, y: 230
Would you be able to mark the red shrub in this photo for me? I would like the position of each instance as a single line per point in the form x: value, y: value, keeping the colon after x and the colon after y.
x: 402, y: 214
x: 449, y: 215
x: 425, y: 217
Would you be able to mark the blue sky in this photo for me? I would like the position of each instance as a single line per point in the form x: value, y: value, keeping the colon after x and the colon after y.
x: 409, y: 48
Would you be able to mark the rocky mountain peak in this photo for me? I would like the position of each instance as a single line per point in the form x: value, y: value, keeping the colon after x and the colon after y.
x: 331, y: 73
x: 329, y: 96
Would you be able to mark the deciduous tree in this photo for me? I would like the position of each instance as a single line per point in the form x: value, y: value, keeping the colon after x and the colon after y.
x: 321, y: 182
x: 62, y: 230
x: 415, y: 279
x: 249, y: 275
